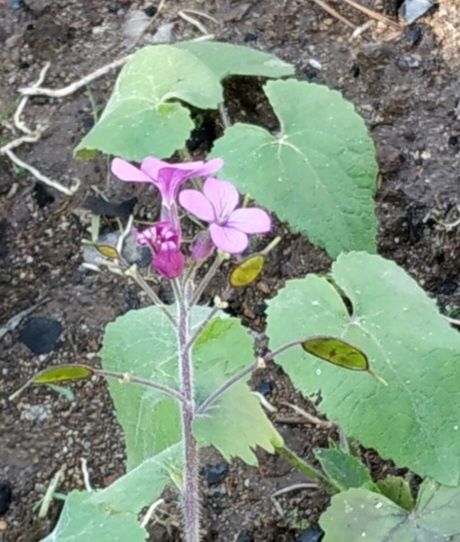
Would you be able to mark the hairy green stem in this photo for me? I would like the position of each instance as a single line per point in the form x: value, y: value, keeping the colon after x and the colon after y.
x: 191, y: 458
x: 206, y: 279
x: 305, y: 468
x: 132, y: 379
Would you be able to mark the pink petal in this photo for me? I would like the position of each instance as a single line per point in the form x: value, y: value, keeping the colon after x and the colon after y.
x: 151, y: 166
x: 250, y: 220
x: 169, y: 263
x: 228, y: 239
x: 208, y: 168
x: 223, y: 196
x: 127, y: 172
x: 194, y: 202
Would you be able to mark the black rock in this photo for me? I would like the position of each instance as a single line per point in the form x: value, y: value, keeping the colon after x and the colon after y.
x: 313, y: 534
x: 42, y: 196
x: 264, y: 387
x: 245, y: 536
x: 311, y: 73
x: 448, y: 287
x: 100, y: 206
x: 250, y: 36
x: 88, y: 122
x: 41, y: 335
x: 215, y: 474
x: 150, y: 10
x: 414, y: 35
x: 6, y: 495
x: 453, y: 140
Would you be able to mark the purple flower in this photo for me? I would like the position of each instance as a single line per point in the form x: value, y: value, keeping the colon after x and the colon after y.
x: 163, y: 240
x: 229, y: 226
x: 166, y: 177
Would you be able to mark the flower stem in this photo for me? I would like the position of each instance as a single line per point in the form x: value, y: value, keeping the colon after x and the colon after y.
x: 140, y: 281
x: 131, y: 379
x: 305, y: 468
x: 207, y: 279
x: 207, y: 403
x: 191, y: 458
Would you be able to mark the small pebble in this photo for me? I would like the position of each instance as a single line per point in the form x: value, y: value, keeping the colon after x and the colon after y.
x: 215, y: 474
x: 250, y: 36
x: 453, y: 140
x: 245, y: 536
x: 151, y: 10
x: 414, y: 35
x: 264, y: 387
x: 315, y: 64
x: 312, y: 534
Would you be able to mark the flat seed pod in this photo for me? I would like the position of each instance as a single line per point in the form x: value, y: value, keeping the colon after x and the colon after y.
x: 337, y: 352
x: 247, y: 271
x: 61, y: 373
x: 108, y: 251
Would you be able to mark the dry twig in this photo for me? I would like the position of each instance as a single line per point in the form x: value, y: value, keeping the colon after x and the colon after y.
x: 335, y: 13
x: 374, y: 14
x: 309, y: 417
x: 32, y: 136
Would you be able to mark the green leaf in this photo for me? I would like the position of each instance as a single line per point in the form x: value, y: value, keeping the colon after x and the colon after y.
x: 82, y: 520
x: 358, y: 514
x: 414, y: 420
x: 67, y: 393
x: 144, y: 116
x: 337, y: 352
x: 236, y: 423
x: 397, y: 489
x: 226, y: 59
x: 344, y: 470
x: 142, y: 485
x: 318, y: 173
x: 139, y: 119
x: 143, y: 343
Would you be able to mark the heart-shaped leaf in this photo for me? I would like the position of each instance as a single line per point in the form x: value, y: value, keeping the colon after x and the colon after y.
x: 318, y: 172
x: 414, y: 420
x: 358, y: 514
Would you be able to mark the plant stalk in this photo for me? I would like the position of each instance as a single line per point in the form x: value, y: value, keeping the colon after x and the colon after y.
x: 191, y: 458
x: 307, y: 469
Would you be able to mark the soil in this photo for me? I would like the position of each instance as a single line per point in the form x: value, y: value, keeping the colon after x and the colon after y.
x: 404, y: 83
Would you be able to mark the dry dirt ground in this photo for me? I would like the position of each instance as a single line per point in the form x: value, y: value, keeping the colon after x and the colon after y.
x: 404, y: 83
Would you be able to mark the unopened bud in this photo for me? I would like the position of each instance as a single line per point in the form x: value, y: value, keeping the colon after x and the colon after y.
x: 131, y: 271
x: 219, y: 303
x: 261, y: 363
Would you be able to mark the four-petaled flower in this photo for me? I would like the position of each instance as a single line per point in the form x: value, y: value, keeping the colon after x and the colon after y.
x: 166, y: 177
x: 217, y: 205
x: 163, y: 240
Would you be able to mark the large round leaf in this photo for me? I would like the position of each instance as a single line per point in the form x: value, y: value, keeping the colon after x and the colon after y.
x: 359, y: 514
x: 143, y: 343
x: 415, y: 419
x: 139, y: 119
x: 144, y: 116
x: 318, y: 173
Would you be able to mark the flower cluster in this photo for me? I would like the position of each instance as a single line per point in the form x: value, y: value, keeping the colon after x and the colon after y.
x: 217, y: 205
